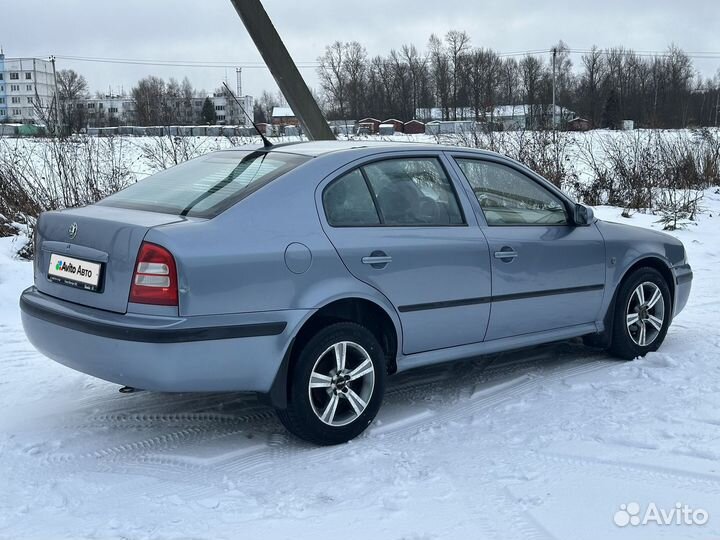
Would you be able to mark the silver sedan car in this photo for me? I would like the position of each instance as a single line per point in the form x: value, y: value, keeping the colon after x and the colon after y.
x: 311, y: 272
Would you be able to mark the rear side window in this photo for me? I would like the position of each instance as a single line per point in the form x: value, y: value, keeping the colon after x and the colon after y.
x: 414, y: 191
x: 348, y: 202
x: 394, y: 192
x: 205, y: 186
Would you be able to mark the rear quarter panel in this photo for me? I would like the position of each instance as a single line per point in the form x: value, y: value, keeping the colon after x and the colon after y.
x: 236, y: 262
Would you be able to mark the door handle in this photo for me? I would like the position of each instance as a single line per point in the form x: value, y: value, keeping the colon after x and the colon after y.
x: 377, y: 259
x: 506, y: 254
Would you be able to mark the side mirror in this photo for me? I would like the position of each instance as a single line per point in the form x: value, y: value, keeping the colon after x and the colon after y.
x: 584, y: 215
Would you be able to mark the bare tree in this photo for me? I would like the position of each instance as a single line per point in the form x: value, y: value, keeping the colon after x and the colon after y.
x: 71, y: 87
x: 531, y: 70
x: 333, y: 75
x: 150, y: 103
x: 458, y: 44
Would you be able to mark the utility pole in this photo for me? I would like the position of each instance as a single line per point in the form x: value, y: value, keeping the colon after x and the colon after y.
x: 554, y: 57
x: 283, y: 69
x: 717, y: 105
x: 56, y: 99
x: 239, y: 94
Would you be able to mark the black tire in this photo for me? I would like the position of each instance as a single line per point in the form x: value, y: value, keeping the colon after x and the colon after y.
x: 623, y: 345
x: 300, y: 417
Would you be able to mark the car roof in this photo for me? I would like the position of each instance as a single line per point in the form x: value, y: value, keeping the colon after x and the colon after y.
x: 321, y: 148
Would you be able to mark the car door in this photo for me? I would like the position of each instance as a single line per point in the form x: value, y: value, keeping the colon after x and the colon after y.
x: 399, y: 225
x: 547, y: 273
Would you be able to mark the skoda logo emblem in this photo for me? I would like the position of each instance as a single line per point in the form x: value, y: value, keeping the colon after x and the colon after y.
x: 72, y: 231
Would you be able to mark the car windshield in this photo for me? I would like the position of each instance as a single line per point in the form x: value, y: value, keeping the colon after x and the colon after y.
x: 206, y: 186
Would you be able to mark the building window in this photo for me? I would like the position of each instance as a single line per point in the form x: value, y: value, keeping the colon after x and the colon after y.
x: 219, y: 107
x: 2, y: 100
x: 1, y: 76
x: 28, y: 76
x: 28, y: 87
x: 220, y: 118
x: 14, y: 76
x: 2, y: 112
x: 15, y: 99
x: 112, y: 110
x: 91, y: 105
x: 2, y: 88
x: 16, y: 112
x: 30, y: 100
x: 14, y: 87
x: 101, y: 105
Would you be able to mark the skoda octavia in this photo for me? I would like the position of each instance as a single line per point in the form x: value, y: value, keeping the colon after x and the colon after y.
x: 311, y: 272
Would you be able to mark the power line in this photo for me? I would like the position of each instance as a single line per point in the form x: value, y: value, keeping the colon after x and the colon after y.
x: 175, y: 63
x: 212, y: 64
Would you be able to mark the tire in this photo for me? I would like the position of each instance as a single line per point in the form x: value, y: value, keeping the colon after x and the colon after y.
x: 310, y: 414
x: 636, y: 327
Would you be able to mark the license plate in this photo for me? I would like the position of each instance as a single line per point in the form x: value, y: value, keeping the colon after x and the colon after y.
x: 74, y: 272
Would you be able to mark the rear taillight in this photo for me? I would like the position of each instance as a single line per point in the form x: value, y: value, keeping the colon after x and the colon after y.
x: 155, y: 277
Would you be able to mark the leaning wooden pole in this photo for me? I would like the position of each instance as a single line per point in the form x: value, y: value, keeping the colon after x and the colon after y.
x: 283, y: 69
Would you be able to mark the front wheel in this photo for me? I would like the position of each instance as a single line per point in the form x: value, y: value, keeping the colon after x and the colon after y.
x: 643, y: 310
x: 336, y: 385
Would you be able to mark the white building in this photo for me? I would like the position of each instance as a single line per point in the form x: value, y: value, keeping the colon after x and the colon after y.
x: 510, y: 117
x: 107, y: 110
x: 26, y: 89
x: 227, y: 110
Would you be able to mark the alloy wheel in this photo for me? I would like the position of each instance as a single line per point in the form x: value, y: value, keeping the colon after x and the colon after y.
x: 645, y: 313
x: 341, y: 383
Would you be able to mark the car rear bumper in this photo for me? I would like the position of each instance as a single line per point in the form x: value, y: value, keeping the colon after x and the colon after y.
x: 237, y: 352
x: 683, y: 283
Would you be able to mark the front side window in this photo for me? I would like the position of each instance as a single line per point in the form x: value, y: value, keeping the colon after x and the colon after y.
x: 348, y: 202
x: 508, y: 197
x: 413, y: 191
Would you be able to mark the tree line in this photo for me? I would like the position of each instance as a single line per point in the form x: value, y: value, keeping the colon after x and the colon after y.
x: 604, y: 86
x: 607, y: 86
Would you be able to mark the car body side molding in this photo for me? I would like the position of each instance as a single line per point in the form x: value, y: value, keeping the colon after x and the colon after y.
x: 499, y: 298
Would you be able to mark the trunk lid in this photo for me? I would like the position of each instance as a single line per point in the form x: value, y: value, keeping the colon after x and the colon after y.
x: 101, y: 235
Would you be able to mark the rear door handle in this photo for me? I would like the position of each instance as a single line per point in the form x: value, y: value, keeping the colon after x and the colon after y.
x: 377, y: 259
x: 506, y: 253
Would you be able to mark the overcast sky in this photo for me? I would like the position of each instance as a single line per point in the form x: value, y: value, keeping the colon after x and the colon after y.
x: 209, y: 30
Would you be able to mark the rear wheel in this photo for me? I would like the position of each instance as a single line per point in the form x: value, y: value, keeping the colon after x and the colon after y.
x: 642, y: 315
x: 336, y: 385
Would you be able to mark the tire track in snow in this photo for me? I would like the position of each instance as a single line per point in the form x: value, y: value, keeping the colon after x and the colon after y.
x: 263, y: 461
x: 475, y: 387
x: 623, y: 469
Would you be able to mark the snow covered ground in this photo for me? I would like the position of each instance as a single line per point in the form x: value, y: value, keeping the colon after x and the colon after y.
x: 541, y: 443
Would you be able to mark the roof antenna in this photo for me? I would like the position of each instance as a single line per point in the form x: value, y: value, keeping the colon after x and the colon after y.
x: 266, y: 142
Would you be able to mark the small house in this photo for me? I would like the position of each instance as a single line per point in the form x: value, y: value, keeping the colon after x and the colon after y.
x: 284, y: 116
x: 398, y: 125
x: 414, y: 127
x: 579, y: 124
x: 368, y: 126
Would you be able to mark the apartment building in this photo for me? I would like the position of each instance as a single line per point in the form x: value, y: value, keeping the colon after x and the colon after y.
x: 26, y: 89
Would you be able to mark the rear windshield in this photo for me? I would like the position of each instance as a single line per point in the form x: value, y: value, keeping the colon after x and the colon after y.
x: 205, y: 186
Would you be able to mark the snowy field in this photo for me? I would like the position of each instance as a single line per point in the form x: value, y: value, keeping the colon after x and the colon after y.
x: 543, y: 443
